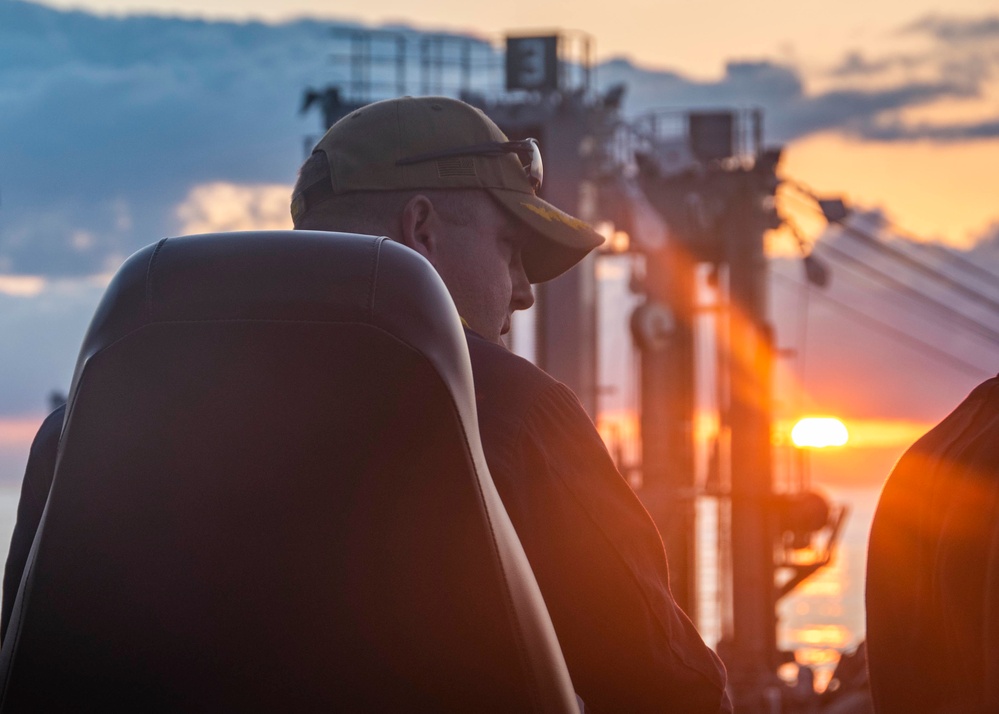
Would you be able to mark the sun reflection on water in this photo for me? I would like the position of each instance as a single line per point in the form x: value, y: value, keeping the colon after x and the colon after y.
x: 824, y: 616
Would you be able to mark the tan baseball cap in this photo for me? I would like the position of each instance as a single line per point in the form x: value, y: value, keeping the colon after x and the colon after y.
x: 442, y: 143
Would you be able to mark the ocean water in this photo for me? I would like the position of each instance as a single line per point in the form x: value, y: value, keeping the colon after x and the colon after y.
x: 825, y: 614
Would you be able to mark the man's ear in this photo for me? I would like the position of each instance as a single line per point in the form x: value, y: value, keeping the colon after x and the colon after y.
x: 420, y: 227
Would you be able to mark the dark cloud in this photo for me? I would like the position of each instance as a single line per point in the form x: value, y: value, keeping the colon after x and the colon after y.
x: 896, y: 131
x: 856, y: 64
x: 947, y: 70
x: 956, y: 30
x: 962, y: 52
x: 104, y: 116
x: 760, y: 83
x: 858, y: 112
x: 986, y: 247
x: 779, y: 90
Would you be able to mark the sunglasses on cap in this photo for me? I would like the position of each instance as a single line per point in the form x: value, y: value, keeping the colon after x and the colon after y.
x: 526, y: 149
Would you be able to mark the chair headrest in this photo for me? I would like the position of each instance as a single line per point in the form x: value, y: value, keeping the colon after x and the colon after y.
x: 240, y: 276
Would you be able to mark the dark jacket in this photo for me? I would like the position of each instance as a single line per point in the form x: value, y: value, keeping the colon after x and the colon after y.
x: 593, y: 547
x: 933, y: 569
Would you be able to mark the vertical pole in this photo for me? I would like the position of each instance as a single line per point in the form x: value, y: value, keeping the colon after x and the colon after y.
x: 667, y: 416
x: 752, y: 651
x: 566, y: 310
x: 565, y: 325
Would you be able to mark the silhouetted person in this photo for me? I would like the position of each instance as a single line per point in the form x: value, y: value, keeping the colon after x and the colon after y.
x: 933, y: 569
x: 438, y: 176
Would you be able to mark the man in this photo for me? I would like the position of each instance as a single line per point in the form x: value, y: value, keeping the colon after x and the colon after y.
x: 438, y: 176
x: 933, y: 569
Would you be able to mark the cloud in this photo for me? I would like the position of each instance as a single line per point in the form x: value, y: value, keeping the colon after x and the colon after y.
x: 759, y: 83
x: 899, y: 131
x: 961, y: 48
x: 855, y: 64
x: 859, y: 113
x: 791, y: 112
x: 956, y: 30
x: 222, y: 206
x: 986, y: 246
x: 21, y: 285
x: 958, y: 61
x: 107, y: 123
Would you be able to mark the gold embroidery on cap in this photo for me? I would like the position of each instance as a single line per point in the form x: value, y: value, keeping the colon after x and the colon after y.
x: 552, y: 215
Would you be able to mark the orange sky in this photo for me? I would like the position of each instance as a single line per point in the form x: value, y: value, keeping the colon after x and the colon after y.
x: 937, y: 191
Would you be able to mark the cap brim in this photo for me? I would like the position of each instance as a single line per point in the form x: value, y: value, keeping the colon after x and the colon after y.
x: 561, y: 241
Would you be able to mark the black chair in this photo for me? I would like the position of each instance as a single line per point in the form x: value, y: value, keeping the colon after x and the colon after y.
x: 270, y: 495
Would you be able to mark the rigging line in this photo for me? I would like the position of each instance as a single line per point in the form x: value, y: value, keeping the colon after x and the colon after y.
x: 894, y: 333
x: 804, y: 200
x: 803, y: 315
x: 878, y: 276
x: 902, y: 303
x: 914, y: 264
x: 948, y: 255
x: 918, y: 266
x: 944, y: 253
x: 940, y: 308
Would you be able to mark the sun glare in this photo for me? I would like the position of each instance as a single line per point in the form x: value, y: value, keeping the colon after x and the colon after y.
x: 819, y: 432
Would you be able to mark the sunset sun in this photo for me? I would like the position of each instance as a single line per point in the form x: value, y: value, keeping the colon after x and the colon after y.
x: 819, y: 432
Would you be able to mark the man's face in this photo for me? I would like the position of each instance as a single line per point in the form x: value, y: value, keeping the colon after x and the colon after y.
x: 479, y: 257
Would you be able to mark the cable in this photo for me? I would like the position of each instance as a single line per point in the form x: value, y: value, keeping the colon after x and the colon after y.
x: 806, y: 199
x: 803, y: 315
x: 947, y: 255
x: 918, y: 266
x: 940, y: 308
x: 878, y: 245
x: 894, y: 333
x: 946, y: 312
x: 902, y: 303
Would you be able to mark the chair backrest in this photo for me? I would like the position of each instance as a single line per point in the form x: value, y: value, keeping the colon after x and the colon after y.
x: 933, y: 569
x: 270, y: 494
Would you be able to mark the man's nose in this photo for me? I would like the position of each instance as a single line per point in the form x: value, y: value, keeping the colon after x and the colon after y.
x: 523, y: 295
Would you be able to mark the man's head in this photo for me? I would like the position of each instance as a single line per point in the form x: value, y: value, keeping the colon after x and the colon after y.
x: 439, y: 176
